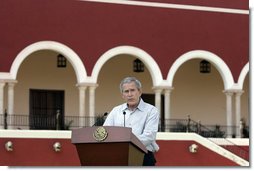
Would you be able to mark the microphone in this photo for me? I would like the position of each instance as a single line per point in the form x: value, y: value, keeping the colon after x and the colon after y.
x: 124, y: 113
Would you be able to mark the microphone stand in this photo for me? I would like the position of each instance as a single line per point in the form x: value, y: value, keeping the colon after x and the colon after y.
x: 124, y: 113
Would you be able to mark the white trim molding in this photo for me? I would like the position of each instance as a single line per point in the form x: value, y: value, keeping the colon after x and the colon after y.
x: 173, y: 6
x: 219, y: 64
x: 243, y: 75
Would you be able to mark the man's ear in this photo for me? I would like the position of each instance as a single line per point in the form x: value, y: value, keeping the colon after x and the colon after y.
x: 122, y: 95
x: 140, y: 91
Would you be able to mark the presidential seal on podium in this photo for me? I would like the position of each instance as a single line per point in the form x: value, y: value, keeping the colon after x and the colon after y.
x: 100, y: 134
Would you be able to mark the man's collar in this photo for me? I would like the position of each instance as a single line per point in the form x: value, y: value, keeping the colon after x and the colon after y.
x: 141, y: 105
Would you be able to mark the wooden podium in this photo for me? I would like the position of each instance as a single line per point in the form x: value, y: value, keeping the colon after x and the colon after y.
x: 108, y: 146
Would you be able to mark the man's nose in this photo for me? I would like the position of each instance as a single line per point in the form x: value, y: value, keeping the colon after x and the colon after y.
x: 129, y: 93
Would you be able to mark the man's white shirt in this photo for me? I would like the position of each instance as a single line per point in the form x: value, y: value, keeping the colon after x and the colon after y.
x: 143, y: 120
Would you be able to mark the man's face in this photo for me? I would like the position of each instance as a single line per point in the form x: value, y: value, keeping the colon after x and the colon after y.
x: 131, y: 94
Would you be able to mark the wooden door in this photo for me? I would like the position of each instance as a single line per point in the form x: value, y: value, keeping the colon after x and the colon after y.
x: 46, y: 109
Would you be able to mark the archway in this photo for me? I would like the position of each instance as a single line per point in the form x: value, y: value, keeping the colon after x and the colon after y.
x: 219, y: 64
x: 72, y: 57
x: 149, y: 62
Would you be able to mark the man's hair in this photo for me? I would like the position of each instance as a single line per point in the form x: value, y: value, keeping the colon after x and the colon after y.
x: 129, y: 80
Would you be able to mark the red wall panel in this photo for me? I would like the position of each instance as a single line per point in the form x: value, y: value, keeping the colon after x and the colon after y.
x: 176, y: 153
x: 39, y: 152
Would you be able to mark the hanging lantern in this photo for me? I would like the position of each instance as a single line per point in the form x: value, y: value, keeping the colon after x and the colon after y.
x: 138, y: 66
x: 61, y: 61
x: 205, y: 66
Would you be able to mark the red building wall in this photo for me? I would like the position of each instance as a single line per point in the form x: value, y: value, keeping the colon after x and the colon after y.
x: 39, y: 152
x: 92, y: 28
x: 175, y: 153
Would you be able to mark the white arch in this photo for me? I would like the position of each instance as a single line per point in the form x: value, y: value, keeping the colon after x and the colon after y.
x: 72, y: 57
x: 219, y: 64
x: 243, y: 74
x: 130, y: 50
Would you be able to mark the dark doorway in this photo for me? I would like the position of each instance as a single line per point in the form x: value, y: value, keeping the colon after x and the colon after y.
x: 46, y: 109
x: 150, y: 98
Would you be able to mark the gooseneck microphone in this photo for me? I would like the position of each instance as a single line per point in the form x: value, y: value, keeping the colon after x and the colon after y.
x: 124, y: 113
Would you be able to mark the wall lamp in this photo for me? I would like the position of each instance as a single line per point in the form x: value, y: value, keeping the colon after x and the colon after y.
x: 57, y: 146
x: 9, y: 146
x: 193, y: 148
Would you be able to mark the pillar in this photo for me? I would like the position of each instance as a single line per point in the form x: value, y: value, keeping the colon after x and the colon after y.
x: 238, y: 112
x: 82, y: 98
x: 158, y: 99
x: 229, y: 113
x: 2, y: 84
x: 10, y: 108
x: 92, y: 104
x: 167, y: 107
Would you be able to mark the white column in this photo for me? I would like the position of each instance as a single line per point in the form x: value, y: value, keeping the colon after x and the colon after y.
x: 229, y: 111
x: 82, y: 104
x: 92, y: 104
x: 158, y: 91
x: 158, y: 99
x: 167, y: 107
x: 238, y: 112
x: 2, y: 84
x: 10, y: 109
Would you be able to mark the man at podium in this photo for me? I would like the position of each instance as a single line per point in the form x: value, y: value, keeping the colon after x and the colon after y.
x: 142, y: 117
